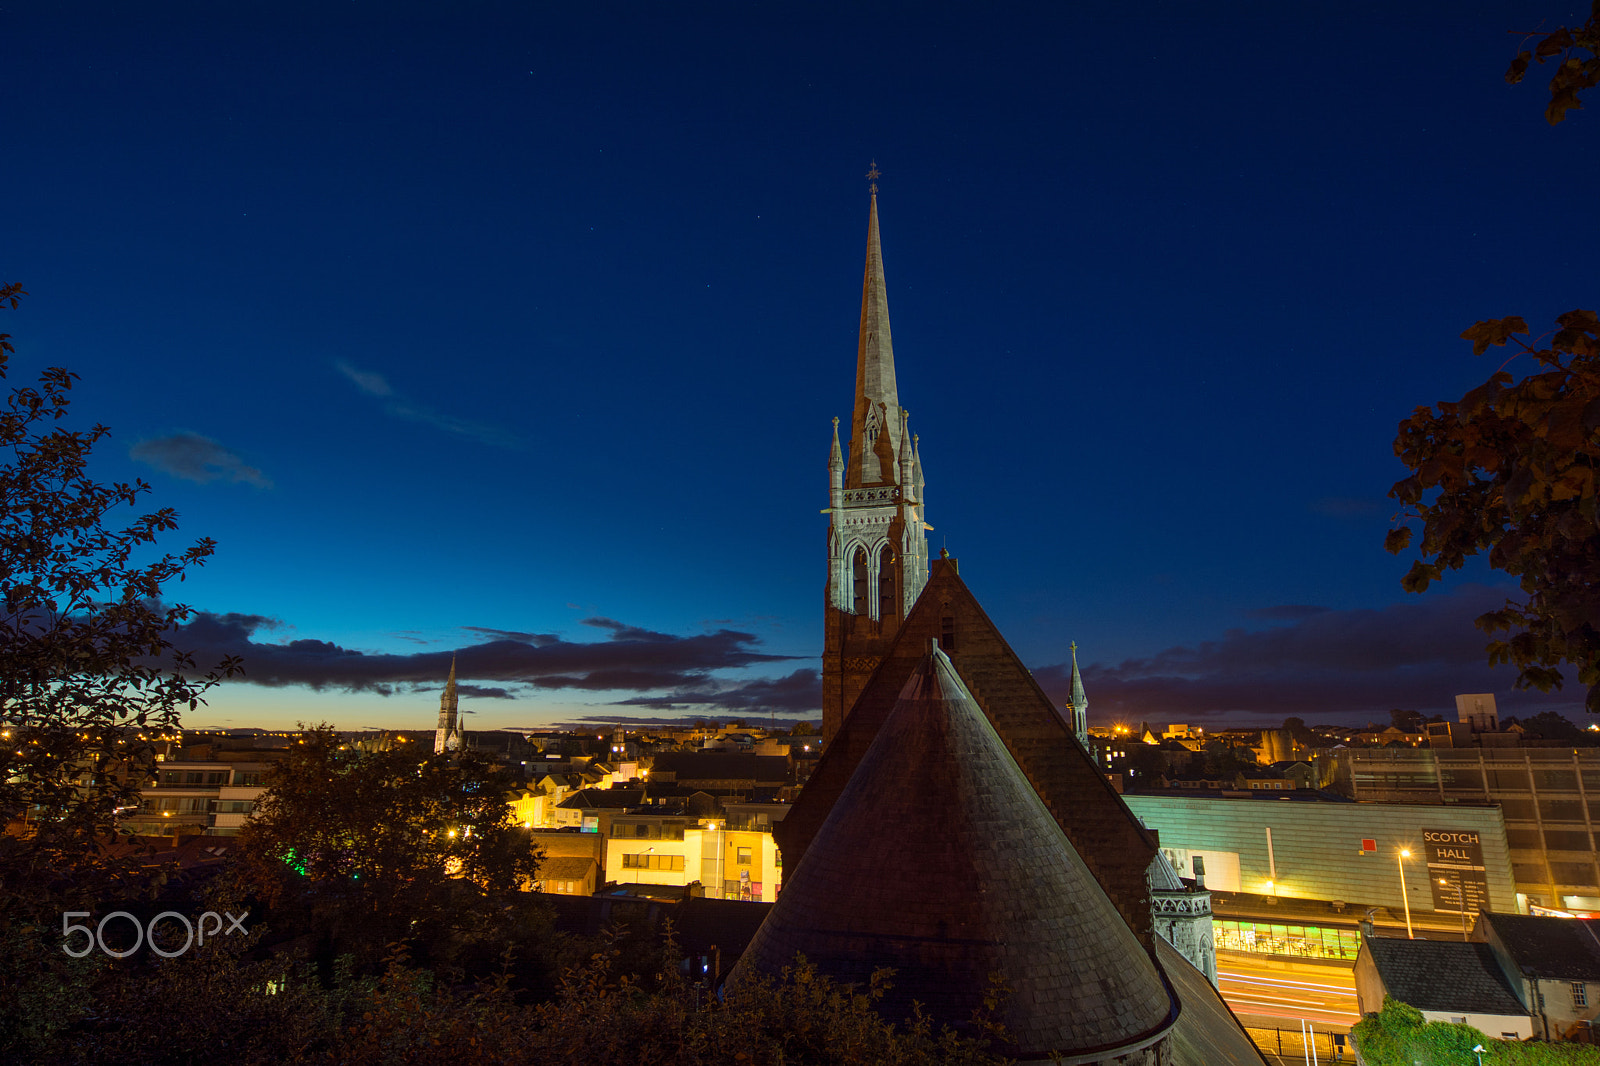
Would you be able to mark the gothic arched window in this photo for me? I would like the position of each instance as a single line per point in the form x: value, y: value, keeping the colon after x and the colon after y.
x: 886, y: 585
x: 859, y: 568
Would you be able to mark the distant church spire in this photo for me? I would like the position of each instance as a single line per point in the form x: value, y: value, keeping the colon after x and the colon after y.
x: 449, y: 736
x: 1080, y: 702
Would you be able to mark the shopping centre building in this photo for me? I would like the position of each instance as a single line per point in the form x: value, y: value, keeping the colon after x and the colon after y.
x: 1293, y: 873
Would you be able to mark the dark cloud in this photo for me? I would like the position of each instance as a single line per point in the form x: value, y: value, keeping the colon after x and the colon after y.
x: 195, y: 458
x: 1334, y: 666
x: 798, y: 693
x: 484, y: 693
x: 1286, y: 612
x: 630, y: 659
x: 658, y: 721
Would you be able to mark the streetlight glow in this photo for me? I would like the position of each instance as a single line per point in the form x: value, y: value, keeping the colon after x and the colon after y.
x: 1405, y: 853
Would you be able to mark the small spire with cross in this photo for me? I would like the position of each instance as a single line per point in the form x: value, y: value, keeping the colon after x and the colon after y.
x: 873, y: 174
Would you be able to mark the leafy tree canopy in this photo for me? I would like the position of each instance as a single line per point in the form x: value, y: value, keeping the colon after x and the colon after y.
x: 366, y: 848
x: 87, y: 674
x: 1299, y: 732
x: 1509, y: 470
x: 1398, y: 1035
x: 1549, y: 725
x: 1573, y: 71
x: 1406, y: 721
x: 85, y: 659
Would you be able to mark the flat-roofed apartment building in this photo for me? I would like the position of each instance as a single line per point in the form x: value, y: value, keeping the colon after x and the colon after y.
x: 1549, y: 797
x: 197, y: 797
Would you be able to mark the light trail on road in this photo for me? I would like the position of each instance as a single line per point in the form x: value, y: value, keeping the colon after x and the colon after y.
x: 1344, y: 989
x: 1323, y: 1000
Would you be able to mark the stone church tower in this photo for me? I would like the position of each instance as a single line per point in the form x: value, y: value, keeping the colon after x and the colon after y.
x: 449, y: 735
x: 1181, y: 911
x: 877, y: 534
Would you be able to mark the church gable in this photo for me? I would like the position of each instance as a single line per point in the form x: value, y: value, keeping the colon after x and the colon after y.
x: 1104, y: 832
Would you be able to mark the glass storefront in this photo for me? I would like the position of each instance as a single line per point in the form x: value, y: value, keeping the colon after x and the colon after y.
x: 1296, y: 941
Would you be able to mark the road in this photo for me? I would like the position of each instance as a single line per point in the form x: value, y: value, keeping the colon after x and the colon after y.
x: 1279, y: 994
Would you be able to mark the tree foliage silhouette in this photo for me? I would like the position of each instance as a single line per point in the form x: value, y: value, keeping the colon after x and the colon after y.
x: 368, y: 848
x: 1573, y: 72
x: 88, y: 671
x: 1508, y: 471
x: 86, y: 656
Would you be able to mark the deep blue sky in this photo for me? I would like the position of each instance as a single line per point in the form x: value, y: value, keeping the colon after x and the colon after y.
x: 518, y: 328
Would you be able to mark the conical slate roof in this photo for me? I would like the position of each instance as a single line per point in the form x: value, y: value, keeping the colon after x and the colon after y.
x: 940, y: 860
x: 1105, y: 833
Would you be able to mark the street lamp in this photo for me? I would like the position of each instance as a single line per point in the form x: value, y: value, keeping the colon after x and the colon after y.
x: 1404, y: 898
x: 1478, y: 1051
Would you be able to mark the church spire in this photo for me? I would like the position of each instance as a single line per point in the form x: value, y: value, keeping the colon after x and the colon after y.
x: 1080, y: 702
x: 877, y: 537
x: 835, y: 472
x: 448, y: 737
x: 875, y: 428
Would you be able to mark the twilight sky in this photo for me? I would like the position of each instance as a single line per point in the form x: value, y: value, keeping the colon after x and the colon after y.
x: 514, y: 330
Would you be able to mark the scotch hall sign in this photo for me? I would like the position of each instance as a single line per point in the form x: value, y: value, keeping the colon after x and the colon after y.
x: 1455, y: 870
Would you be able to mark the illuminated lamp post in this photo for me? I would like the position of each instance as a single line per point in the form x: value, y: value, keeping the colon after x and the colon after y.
x: 1400, y: 861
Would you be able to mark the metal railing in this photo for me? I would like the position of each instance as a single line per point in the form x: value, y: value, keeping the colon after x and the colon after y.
x: 1291, y: 1045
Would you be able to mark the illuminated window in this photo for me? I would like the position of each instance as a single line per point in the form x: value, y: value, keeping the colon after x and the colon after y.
x: 743, y: 858
x: 669, y: 863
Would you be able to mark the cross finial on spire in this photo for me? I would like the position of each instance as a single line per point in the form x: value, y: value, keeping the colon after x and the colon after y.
x: 873, y: 174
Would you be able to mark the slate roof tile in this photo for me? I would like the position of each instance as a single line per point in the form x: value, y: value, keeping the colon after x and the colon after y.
x: 1556, y: 949
x: 1443, y: 975
x: 940, y: 860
